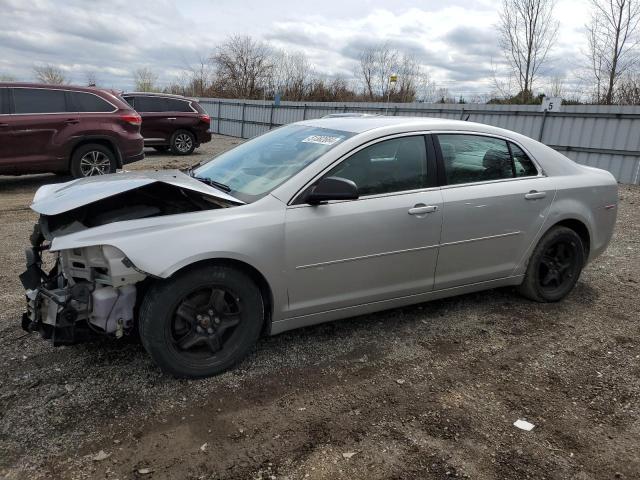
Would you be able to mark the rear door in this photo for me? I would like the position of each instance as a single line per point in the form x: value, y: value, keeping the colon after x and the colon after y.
x: 495, y: 202
x: 156, y: 127
x: 39, y: 129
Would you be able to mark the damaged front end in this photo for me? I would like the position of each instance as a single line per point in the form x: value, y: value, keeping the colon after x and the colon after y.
x: 84, y: 293
x: 75, y: 294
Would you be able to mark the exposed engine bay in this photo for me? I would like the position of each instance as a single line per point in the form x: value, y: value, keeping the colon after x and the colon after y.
x: 76, y: 294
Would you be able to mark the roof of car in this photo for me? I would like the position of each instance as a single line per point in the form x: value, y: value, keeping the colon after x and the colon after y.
x: 361, y: 124
x: 52, y: 86
x: 158, y: 94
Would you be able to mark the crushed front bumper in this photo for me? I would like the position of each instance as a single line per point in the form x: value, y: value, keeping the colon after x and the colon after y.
x: 76, y: 300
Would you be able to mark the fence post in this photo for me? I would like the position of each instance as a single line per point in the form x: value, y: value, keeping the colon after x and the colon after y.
x: 244, y: 105
x: 544, y: 118
x: 304, y: 112
x: 462, y: 114
x: 271, y: 117
x: 219, y: 106
x: 395, y: 111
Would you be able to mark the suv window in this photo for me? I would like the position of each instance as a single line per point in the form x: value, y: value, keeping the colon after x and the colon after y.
x: 88, y: 102
x: 150, y: 104
x: 389, y: 166
x: 38, y: 100
x: 175, y: 105
x: 523, y: 164
x: 4, y: 100
x: 474, y: 158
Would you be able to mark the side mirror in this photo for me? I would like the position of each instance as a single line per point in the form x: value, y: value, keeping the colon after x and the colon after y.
x: 332, y: 188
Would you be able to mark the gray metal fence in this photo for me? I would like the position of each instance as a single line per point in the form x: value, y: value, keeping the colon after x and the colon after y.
x: 602, y: 136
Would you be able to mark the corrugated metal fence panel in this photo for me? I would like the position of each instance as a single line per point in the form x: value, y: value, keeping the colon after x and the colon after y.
x: 603, y: 136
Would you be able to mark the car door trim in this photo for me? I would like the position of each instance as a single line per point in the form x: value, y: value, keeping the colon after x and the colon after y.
x: 365, y: 257
x: 479, y: 239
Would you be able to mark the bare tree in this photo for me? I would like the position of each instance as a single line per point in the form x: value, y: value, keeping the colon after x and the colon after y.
x: 92, y: 78
x: 145, y: 80
x: 612, y: 38
x: 200, y: 77
x: 378, y: 63
x: 291, y: 74
x: 527, y: 32
x: 243, y: 66
x: 49, y: 74
x: 628, y: 91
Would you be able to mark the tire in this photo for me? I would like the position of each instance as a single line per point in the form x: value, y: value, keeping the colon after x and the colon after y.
x: 554, y: 266
x: 161, y: 148
x: 92, y: 159
x: 183, y: 142
x: 202, y: 321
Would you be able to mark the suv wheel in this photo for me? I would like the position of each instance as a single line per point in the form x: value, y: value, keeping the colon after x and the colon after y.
x: 92, y: 159
x: 183, y: 142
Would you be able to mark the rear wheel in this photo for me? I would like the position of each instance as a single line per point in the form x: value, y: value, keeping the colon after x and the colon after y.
x: 183, y: 142
x: 554, y: 266
x: 201, y: 322
x: 92, y: 159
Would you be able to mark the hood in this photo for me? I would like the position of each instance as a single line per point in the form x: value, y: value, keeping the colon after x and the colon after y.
x: 62, y: 197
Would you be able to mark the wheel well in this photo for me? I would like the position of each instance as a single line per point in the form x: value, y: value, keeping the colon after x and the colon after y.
x: 263, y: 285
x: 582, y: 231
x: 100, y: 141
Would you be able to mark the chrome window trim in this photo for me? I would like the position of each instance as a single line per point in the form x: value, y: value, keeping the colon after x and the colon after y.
x: 190, y: 102
x: 60, y: 90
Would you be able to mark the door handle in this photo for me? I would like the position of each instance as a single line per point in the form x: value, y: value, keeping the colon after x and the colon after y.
x: 422, y: 209
x: 534, y: 195
x: 71, y: 121
x: 171, y: 118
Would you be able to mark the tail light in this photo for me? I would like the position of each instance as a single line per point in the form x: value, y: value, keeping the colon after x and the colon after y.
x: 205, y: 118
x: 131, y: 118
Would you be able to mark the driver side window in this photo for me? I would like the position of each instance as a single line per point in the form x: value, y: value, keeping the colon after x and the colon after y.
x: 389, y: 166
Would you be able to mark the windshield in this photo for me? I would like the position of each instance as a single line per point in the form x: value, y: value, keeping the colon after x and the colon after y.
x: 253, y: 169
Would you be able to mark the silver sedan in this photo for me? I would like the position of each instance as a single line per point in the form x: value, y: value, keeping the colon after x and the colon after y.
x: 311, y: 222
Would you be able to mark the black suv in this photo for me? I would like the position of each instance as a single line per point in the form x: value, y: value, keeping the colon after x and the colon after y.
x: 170, y: 121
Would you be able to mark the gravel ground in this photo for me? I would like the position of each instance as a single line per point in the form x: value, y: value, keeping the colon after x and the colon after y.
x: 429, y: 391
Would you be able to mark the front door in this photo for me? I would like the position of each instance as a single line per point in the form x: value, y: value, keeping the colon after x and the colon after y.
x: 382, y: 246
x: 494, y: 205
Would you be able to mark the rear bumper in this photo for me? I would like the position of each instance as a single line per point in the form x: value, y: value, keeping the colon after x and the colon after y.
x: 203, y: 137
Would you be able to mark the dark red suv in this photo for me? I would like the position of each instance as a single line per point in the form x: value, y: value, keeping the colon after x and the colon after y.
x: 65, y: 129
x: 171, y: 121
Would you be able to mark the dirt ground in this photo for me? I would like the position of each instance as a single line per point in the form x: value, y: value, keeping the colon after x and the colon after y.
x: 429, y: 391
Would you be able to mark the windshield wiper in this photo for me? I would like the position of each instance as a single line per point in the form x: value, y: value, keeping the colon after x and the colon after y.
x: 213, y: 183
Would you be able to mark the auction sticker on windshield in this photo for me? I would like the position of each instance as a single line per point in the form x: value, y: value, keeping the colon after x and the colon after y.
x: 322, y: 139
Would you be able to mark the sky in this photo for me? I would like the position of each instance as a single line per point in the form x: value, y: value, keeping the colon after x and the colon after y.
x: 456, y: 41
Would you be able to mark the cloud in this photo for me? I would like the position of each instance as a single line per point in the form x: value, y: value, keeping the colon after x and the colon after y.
x: 455, y: 41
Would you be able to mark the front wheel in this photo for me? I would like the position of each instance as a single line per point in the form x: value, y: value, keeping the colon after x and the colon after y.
x: 183, y: 142
x: 202, y: 321
x: 554, y: 266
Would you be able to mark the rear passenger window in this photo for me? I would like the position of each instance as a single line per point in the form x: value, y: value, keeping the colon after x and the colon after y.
x: 474, y: 158
x: 523, y: 164
x: 175, y: 105
x: 150, y: 104
x: 390, y: 166
x: 131, y: 101
x: 38, y: 100
x: 87, y: 102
